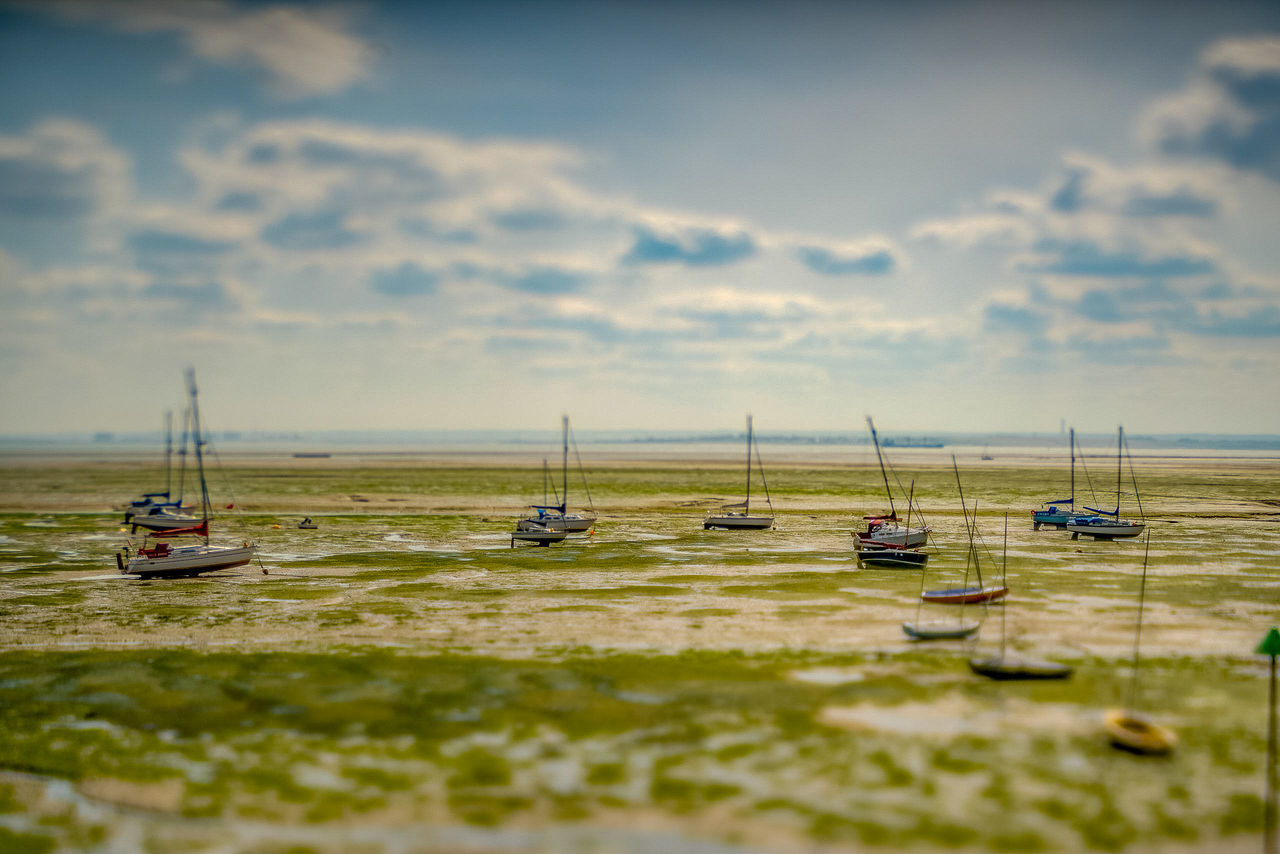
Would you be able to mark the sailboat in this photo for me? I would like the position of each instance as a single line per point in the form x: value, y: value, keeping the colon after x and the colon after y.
x: 555, y: 517
x: 888, y: 555
x: 158, y: 510
x: 938, y: 629
x: 884, y: 529
x: 737, y: 517
x: 532, y: 530
x: 1108, y: 525
x: 1005, y: 666
x: 1055, y: 516
x: 1127, y: 729
x: 966, y: 595
x: 157, y: 558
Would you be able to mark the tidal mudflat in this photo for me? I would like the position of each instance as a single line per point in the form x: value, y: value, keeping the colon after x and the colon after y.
x: 401, y: 679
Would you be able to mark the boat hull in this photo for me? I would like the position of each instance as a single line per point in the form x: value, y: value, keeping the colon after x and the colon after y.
x: 1008, y: 668
x: 964, y: 595
x: 163, y: 521
x: 737, y: 522
x: 189, y: 560
x: 940, y: 631
x: 894, y: 535
x: 540, y: 537
x: 570, y: 524
x: 1137, y: 734
x: 1052, y: 518
x: 888, y: 557
x: 1105, y: 529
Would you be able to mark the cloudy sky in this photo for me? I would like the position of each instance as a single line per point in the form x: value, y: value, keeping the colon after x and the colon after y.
x: 654, y: 215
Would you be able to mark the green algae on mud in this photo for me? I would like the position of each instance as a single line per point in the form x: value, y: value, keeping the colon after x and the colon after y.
x: 317, y: 737
x: 769, y: 694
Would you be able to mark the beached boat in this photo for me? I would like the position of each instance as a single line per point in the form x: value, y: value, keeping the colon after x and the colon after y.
x: 885, y: 528
x: 1136, y: 733
x: 1126, y: 728
x: 555, y: 517
x: 1107, y: 524
x: 1005, y: 666
x: 307, y: 525
x: 157, y: 558
x: 737, y: 517
x: 538, y: 537
x: 889, y: 555
x: 941, y: 629
x: 967, y: 595
x: 1057, y: 514
x: 159, y: 510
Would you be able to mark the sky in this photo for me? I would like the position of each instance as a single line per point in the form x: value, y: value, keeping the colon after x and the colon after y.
x: 954, y: 216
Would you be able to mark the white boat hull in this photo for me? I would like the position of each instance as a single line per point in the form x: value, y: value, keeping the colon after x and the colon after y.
x: 539, y: 537
x: 1106, y: 530
x: 164, y: 521
x: 738, y: 522
x: 571, y: 523
x: 895, y: 535
x: 189, y: 560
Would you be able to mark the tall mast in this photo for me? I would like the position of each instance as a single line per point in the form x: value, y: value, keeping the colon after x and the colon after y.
x: 198, y: 441
x: 1119, y: 467
x: 564, y: 467
x: 1072, y: 440
x: 168, y: 454
x: 746, y: 506
x: 893, y: 514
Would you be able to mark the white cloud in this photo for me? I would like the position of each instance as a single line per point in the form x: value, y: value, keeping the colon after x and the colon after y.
x: 304, y: 50
x: 1227, y: 113
x: 64, y: 170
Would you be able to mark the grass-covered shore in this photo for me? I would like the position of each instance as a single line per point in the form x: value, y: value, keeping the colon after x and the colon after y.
x: 401, y: 677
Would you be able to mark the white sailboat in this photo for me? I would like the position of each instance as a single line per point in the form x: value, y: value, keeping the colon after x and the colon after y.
x: 885, y: 530
x: 1107, y: 524
x: 556, y: 517
x: 1006, y: 666
x: 159, y: 510
x: 1052, y: 513
x: 157, y: 558
x: 737, y: 517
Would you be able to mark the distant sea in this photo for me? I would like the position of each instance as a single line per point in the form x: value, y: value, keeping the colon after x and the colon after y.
x: 624, y: 441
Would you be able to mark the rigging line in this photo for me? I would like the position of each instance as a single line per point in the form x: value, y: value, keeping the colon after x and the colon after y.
x: 1137, y: 635
x: 1093, y: 496
x: 1134, y: 477
x: 898, y: 480
x: 581, y: 471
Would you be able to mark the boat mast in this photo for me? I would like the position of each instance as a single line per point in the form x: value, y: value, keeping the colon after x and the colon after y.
x: 1119, y: 467
x: 893, y: 514
x: 168, y: 454
x: 1072, y: 440
x: 746, y: 505
x: 198, y: 441
x: 564, y: 468
x: 1004, y: 580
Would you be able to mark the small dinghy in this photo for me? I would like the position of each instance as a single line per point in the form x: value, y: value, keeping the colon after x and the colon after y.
x: 1127, y: 729
x: 542, y: 537
x: 1009, y: 668
x: 1137, y: 734
x: 307, y: 525
x: 939, y: 630
x: 964, y: 595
